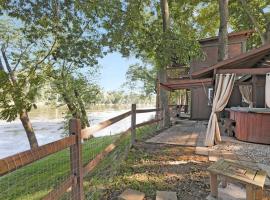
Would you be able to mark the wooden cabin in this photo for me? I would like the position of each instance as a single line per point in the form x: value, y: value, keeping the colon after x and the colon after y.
x: 200, y: 82
x: 201, y: 96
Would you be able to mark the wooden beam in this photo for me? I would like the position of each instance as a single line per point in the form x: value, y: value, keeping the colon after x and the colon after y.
x: 165, y: 87
x: 251, y: 71
x: 189, y: 81
x: 146, y: 110
x: 19, y: 160
x: 88, y: 132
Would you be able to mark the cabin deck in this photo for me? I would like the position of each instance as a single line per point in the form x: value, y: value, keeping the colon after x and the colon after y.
x: 184, y: 133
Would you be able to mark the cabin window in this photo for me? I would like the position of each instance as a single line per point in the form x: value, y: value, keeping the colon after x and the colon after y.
x: 210, y: 96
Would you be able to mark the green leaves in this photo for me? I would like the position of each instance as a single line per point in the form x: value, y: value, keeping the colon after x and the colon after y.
x: 143, y: 78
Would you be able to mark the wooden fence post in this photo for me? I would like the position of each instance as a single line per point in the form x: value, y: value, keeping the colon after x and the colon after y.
x: 76, y: 160
x: 133, y: 124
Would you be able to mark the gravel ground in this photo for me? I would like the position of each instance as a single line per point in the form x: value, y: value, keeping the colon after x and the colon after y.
x: 247, y: 151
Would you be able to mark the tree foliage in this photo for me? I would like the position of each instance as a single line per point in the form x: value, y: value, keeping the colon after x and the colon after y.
x: 142, y: 77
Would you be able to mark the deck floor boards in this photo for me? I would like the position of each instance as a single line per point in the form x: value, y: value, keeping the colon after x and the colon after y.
x: 186, y: 133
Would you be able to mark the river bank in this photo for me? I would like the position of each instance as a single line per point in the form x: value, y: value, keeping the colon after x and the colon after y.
x: 48, y: 124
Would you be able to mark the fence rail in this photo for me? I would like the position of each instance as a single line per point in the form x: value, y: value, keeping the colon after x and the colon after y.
x: 22, y: 159
x: 74, y: 143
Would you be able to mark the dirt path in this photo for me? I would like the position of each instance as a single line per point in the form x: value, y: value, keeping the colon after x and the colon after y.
x: 152, y: 167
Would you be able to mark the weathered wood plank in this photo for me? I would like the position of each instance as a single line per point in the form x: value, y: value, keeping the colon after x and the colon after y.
x: 244, y: 71
x: 218, y: 169
x: 260, y: 177
x: 19, y: 160
x: 146, y: 110
x: 88, y: 132
x: 61, y: 189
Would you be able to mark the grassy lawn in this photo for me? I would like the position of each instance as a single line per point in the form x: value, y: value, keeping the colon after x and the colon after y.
x: 34, y: 181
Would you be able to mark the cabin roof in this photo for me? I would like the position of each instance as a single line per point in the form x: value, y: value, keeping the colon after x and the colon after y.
x: 245, y: 33
x: 186, y: 83
x: 253, y: 59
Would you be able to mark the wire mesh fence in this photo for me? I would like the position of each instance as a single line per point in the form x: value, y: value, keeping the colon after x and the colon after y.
x: 71, y: 170
x: 36, y: 180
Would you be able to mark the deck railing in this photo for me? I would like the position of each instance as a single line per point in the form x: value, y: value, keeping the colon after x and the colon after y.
x: 78, y: 170
x: 176, y: 73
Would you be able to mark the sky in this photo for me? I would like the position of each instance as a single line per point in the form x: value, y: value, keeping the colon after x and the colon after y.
x: 113, y: 70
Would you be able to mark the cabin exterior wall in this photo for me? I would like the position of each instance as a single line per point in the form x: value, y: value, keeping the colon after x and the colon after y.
x: 200, y: 110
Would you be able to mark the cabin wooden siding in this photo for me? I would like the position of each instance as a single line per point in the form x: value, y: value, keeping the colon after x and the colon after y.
x: 258, y: 91
x: 237, y: 45
x: 200, y: 110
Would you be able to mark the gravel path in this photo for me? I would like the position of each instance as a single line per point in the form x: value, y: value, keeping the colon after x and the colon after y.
x: 247, y: 151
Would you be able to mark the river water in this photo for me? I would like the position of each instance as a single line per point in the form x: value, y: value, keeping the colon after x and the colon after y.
x: 48, y: 125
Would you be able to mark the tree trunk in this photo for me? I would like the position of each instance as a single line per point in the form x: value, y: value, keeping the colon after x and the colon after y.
x: 253, y: 20
x: 27, y: 125
x: 162, y: 72
x: 223, y: 30
x: 23, y: 114
x: 267, y: 34
x: 85, y: 122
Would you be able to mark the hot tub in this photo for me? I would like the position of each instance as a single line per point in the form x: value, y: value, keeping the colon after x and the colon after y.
x: 252, y: 124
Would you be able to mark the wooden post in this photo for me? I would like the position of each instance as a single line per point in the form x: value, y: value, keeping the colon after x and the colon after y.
x: 76, y: 160
x: 250, y: 192
x: 133, y: 124
x: 213, y: 185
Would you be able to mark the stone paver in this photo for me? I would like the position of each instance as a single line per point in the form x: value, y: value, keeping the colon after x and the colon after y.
x: 130, y: 194
x: 166, y: 195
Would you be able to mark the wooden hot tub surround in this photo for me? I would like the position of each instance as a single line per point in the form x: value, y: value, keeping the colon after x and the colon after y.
x: 252, y: 124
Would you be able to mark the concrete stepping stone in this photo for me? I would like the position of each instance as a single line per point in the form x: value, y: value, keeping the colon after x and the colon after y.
x: 166, y: 195
x: 130, y: 194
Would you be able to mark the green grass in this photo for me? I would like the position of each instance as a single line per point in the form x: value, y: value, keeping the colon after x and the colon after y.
x: 108, y: 169
x: 34, y: 181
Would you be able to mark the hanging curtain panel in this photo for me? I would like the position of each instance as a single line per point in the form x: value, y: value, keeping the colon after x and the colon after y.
x: 267, y: 90
x: 246, y: 92
x: 224, y: 87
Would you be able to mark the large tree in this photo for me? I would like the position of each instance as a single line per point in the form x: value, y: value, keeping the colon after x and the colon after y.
x: 136, y: 28
x: 78, y: 44
x: 21, y: 56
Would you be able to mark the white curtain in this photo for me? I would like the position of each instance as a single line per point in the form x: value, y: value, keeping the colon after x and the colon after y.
x: 224, y: 87
x: 246, y: 92
x: 267, y: 90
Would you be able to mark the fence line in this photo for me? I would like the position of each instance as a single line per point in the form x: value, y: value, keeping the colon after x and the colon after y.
x: 74, y: 142
x: 22, y: 159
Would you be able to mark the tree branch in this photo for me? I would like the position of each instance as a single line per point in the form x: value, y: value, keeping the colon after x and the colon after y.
x: 11, y: 74
x: 20, y: 57
x: 1, y: 66
x: 253, y: 20
x: 46, y: 56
